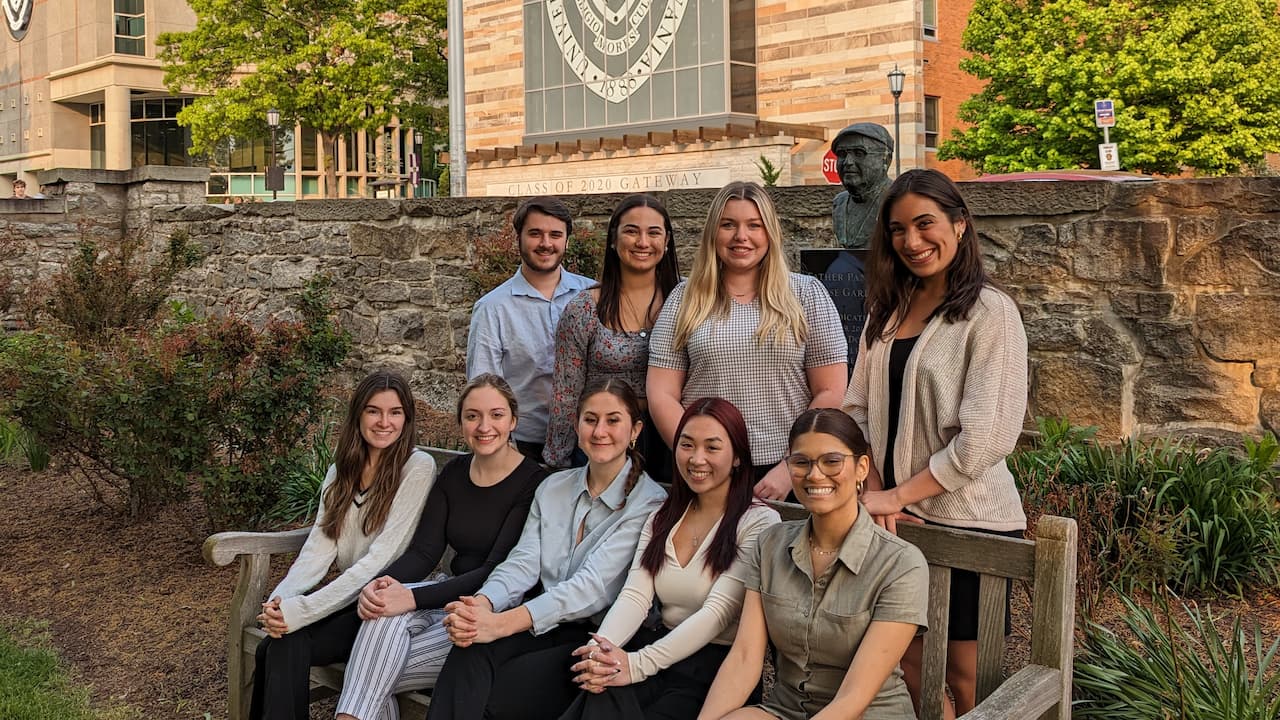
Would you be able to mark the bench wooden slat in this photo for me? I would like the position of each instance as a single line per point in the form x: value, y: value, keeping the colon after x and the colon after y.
x: 1029, y: 693
x: 973, y: 551
x: 1053, y: 608
x: 222, y: 548
x: 991, y: 611
x: 934, y: 672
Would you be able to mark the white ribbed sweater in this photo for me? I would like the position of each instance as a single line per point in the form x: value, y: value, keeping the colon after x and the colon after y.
x: 964, y: 396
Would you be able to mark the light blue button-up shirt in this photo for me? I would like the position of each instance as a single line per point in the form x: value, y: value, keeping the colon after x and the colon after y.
x: 513, y: 335
x: 579, y: 579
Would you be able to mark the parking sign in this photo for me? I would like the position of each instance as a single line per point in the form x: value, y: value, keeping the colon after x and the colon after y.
x: 1104, y: 113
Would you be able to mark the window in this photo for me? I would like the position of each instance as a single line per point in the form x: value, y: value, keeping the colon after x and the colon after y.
x: 931, y: 122
x: 97, y: 136
x: 130, y: 27
x: 930, y: 20
x: 154, y: 134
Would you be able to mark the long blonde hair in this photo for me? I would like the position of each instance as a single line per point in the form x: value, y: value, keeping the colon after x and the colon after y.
x: 780, y: 313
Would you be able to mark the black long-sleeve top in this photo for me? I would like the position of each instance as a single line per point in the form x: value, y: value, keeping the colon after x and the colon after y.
x: 481, y: 524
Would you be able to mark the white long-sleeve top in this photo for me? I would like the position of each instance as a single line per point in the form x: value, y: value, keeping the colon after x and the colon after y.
x: 360, y: 557
x: 696, y: 608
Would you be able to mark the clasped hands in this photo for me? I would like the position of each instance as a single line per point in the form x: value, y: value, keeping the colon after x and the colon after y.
x: 471, y: 619
x: 384, y: 597
x: 271, y: 619
x: 603, y: 665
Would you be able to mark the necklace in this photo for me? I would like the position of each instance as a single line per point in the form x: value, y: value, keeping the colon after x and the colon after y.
x: 641, y: 320
x: 820, y: 551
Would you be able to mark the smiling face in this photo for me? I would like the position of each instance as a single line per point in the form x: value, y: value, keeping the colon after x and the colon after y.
x: 704, y: 455
x: 605, y: 428
x: 381, y: 421
x: 641, y: 240
x: 487, y: 421
x: 542, y: 242
x: 924, y: 238
x: 741, y: 239
x: 818, y: 492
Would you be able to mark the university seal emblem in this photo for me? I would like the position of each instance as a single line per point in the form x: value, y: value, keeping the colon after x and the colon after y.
x: 640, y: 29
x: 17, y: 13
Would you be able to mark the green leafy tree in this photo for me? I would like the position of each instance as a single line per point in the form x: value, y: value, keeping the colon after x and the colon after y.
x: 335, y: 65
x: 1196, y: 84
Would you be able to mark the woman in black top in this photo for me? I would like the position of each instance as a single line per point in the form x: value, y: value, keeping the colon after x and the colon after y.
x: 478, y: 507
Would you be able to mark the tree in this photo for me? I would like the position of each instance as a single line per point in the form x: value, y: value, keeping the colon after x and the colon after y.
x: 1196, y: 84
x: 335, y: 65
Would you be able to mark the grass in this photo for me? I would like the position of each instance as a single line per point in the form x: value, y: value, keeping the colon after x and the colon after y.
x: 33, y: 683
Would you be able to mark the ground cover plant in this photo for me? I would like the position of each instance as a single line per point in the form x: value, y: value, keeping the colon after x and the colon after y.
x: 33, y: 683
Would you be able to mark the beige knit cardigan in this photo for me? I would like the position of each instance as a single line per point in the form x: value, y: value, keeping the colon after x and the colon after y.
x: 964, y: 396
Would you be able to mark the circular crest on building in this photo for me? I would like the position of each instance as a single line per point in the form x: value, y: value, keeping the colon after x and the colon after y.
x: 631, y: 29
x: 17, y: 14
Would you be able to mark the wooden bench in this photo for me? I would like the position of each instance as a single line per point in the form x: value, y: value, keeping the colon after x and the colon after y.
x: 1041, y: 690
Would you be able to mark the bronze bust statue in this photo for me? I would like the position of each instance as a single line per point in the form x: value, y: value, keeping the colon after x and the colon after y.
x: 863, y: 152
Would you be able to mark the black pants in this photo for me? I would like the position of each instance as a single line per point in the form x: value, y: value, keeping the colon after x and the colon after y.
x: 521, y: 677
x: 676, y: 693
x: 282, y: 674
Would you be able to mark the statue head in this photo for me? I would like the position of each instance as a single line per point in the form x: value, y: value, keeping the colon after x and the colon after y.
x: 863, y: 152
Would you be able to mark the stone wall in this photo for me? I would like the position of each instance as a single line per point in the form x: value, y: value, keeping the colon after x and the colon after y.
x: 1149, y: 307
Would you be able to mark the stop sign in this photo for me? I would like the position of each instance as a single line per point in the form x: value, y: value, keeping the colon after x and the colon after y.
x: 829, y: 168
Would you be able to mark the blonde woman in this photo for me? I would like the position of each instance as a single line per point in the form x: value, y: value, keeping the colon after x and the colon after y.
x: 745, y: 328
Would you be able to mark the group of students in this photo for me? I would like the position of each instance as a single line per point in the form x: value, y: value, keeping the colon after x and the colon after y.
x: 593, y: 592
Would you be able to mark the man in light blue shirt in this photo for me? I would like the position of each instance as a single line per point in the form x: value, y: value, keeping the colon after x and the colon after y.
x: 513, y: 327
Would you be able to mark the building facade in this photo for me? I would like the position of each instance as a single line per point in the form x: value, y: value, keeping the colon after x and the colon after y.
x: 571, y: 96
x: 81, y: 87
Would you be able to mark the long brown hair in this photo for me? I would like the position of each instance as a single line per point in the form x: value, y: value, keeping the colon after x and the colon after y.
x: 666, y: 274
x: 352, y: 454
x: 724, y: 547
x: 890, y: 282
x: 621, y: 390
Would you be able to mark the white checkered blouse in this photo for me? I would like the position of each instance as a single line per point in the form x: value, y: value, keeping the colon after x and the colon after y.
x: 766, y: 382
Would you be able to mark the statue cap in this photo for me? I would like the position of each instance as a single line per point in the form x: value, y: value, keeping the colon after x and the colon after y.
x: 875, y: 131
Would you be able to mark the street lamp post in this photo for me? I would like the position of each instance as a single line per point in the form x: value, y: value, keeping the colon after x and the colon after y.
x: 273, y: 122
x: 417, y: 164
x: 896, y: 77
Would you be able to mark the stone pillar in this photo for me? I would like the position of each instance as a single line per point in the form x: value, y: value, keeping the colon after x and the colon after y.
x: 117, y: 116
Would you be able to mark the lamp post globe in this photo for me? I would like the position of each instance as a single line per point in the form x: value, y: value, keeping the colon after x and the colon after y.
x: 896, y: 78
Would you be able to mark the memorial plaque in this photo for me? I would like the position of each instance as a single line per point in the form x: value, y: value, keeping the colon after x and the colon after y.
x: 841, y: 272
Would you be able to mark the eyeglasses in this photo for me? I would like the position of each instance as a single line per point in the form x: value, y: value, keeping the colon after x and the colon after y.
x: 829, y: 464
x: 858, y: 153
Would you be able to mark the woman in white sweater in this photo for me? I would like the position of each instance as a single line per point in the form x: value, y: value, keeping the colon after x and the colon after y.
x: 708, y: 523
x: 940, y: 391
x: 370, y: 502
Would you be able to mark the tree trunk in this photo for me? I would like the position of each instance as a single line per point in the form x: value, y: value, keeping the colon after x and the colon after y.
x: 329, y: 161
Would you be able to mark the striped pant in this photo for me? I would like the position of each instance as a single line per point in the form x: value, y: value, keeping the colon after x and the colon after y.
x: 393, y: 655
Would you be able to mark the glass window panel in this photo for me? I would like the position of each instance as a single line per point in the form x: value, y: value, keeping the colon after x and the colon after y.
x: 98, y: 147
x: 664, y: 95
x: 685, y: 46
x: 350, y: 156
x: 931, y: 122
x: 172, y: 107
x: 595, y: 116
x: 241, y: 156
x: 353, y: 187
x: 641, y: 102
x: 711, y: 31
x: 135, y: 110
x: 687, y: 92
x: 713, y: 89
x: 155, y: 143
x: 742, y: 31
x: 241, y: 184
x: 129, y: 7
x: 616, y: 113
x: 309, y: 161
x: 574, y: 107
x: 534, y: 113
x: 217, y: 185
x: 128, y: 46
x: 174, y: 147
x: 533, y: 63
x: 615, y: 65
x: 931, y: 17
x: 554, y: 103
x: 310, y: 185
x: 742, y: 88
x: 155, y: 109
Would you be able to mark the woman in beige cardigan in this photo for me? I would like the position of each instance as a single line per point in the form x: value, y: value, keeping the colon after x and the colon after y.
x: 940, y: 389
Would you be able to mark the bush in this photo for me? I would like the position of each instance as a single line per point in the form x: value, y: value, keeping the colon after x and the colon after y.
x: 498, y: 256
x: 215, y: 400
x: 1168, y: 670
x: 1159, y: 513
x: 300, y: 494
x: 109, y: 285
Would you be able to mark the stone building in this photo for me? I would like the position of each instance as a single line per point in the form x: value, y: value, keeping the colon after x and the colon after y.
x: 588, y: 96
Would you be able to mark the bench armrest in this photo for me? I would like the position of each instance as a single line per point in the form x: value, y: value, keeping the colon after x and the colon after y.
x: 224, y: 547
x: 1028, y: 694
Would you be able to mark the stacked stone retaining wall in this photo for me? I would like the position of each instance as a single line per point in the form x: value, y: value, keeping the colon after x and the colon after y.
x: 1150, y: 307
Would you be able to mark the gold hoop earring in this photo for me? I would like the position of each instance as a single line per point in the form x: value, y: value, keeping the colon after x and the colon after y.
x: 861, y: 483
